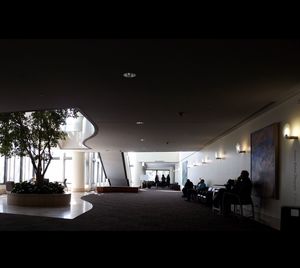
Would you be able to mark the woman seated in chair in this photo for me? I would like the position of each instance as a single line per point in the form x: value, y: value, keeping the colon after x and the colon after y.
x: 201, y: 186
x: 240, y: 192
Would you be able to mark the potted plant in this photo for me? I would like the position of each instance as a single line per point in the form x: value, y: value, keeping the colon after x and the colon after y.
x: 34, y: 134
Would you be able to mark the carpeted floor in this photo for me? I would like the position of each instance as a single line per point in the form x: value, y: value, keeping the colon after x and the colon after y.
x: 148, y: 210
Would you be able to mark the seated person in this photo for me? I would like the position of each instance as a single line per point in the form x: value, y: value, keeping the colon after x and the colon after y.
x: 230, y: 185
x: 188, y: 185
x: 218, y: 197
x: 241, y: 187
x: 201, y: 186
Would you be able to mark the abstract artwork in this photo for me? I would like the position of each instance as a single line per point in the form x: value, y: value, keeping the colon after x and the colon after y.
x: 264, y: 162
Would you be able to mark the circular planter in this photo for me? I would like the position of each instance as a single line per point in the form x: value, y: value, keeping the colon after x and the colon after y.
x: 38, y: 200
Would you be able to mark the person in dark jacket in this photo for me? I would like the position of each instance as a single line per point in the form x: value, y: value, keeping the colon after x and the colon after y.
x: 168, y: 180
x: 156, y: 180
x: 243, y: 185
x: 188, y: 185
x: 201, y: 186
x: 163, y: 180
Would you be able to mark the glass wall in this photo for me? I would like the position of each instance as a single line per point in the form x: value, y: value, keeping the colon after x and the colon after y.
x: 27, y: 169
x: 2, y: 166
x: 152, y: 173
x: 55, y: 169
x: 93, y: 171
x: 20, y: 169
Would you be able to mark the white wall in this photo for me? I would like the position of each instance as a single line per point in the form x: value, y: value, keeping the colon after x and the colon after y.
x: 219, y: 171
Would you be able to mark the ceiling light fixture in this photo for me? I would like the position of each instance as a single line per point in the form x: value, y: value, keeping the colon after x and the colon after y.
x: 218, y: 156
x: 129, y: 75
x: 142, y: 139
x: 139, y: 122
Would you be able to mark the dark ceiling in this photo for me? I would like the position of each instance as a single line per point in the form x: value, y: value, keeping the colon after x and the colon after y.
x: 187, y: 91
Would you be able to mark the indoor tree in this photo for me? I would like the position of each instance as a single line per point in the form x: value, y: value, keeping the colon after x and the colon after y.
x: 33, y: 134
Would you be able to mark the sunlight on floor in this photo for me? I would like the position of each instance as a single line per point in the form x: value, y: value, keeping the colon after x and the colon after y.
x: 76, y: 208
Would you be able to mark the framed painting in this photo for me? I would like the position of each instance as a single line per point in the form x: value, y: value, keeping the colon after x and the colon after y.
x: 264, y: 161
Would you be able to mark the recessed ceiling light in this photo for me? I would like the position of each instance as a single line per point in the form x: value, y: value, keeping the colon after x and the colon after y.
x: 139, y: 122
x: 142, y: 139
x: 129, y: 75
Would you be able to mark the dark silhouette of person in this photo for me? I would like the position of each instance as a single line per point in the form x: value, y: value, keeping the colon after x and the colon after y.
x: 240, y: 191
x: 156, y: 180
x: 187, y: 186
x: 168, y: 180
x: 163, y: 180
x: 242, y: 188
x: 194, y: 191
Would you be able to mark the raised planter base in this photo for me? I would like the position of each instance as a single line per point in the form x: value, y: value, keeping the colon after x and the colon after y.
x: 119, y: 189
x: 39, y: 200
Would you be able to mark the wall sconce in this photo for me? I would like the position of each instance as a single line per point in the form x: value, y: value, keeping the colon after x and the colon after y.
x: 291, y: 137
x: 203, y: 162
x: 286, y: 133
x: 218, y: 156
x: 239, y: 150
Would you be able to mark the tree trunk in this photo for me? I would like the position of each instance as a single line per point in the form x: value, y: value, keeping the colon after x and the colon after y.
x: 39, y: 178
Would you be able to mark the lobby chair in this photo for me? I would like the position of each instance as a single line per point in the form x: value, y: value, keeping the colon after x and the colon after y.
x: 215, y: 208
x: 237, y: 200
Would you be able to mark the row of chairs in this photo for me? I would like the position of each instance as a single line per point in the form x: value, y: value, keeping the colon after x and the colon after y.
x: 236, y: 201
x: 207, y: 196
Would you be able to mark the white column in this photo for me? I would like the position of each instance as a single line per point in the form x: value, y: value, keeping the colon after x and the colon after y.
x: 78, y: 172
x: 172, y: 175
x: 138, y: 171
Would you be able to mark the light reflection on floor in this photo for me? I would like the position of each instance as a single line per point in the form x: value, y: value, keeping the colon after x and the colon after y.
x: 76, y: 208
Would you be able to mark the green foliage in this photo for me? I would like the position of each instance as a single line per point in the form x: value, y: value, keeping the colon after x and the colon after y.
x: 33, y: 134
x: 34, y: 188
